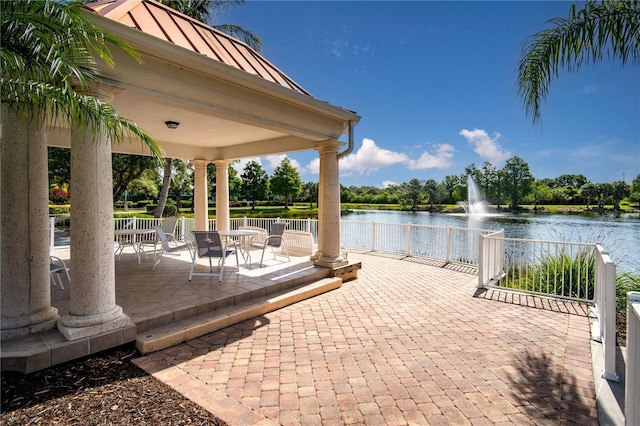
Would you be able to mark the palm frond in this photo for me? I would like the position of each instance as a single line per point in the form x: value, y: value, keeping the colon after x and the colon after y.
x: 610, y: 28
x: 53, y: 105
x: 240, y: 33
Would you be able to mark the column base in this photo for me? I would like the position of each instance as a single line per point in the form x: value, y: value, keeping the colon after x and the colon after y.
x: 35, y: 323
x: 75, y: 327
x: 331, y: 262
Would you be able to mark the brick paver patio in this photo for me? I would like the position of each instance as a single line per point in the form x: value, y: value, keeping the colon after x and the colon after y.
x: 405, y: 343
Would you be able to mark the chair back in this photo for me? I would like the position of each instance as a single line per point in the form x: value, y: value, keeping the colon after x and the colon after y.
x: 162, y: 237
x: 169, y: 224
x: 208, y: 244
x: 275, y: 235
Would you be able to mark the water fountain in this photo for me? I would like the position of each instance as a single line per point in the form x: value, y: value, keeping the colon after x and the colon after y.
x: 474, y: 205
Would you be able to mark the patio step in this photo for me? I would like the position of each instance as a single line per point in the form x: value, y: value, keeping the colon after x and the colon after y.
x: 170, y: 335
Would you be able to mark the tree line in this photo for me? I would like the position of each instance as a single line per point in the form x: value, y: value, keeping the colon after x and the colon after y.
x: 509, y: 186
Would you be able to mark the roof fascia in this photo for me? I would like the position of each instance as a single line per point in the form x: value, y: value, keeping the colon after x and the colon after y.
x: 148, y: 44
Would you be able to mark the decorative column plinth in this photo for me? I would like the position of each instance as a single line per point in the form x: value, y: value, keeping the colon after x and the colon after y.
x: 74, y: 327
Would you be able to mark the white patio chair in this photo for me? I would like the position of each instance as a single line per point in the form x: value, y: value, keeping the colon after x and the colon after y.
x: 274, y: 242
x: 165, y: 247
x: 209, y: 245
x: 56, y: 268
x: 168, y: 227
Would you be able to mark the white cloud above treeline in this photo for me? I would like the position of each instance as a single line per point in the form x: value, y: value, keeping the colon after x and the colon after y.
x: 370, y: 158
x: 487, y: 147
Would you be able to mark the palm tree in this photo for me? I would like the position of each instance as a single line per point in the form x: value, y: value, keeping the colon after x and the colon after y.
x: 610, y: 29
x: 47, y: 62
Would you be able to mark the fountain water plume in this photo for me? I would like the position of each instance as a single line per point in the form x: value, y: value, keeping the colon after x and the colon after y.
x: 474, y: 205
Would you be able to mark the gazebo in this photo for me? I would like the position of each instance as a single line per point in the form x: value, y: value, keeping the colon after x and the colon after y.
x: 229, y: 103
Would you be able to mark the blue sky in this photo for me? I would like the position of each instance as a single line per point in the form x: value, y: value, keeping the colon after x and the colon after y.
x: 435, y: 85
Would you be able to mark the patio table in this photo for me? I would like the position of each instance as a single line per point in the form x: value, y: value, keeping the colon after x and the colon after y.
x: 241, y: 234
x: 130, y: 237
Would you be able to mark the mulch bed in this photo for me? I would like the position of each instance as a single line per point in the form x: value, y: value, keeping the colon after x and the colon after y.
x: 104, y: 389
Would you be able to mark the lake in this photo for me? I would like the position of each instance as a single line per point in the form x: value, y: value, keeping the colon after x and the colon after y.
x: 621, y: 236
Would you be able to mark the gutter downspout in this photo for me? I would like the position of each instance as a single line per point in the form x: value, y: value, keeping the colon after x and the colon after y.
x: 350, y: 147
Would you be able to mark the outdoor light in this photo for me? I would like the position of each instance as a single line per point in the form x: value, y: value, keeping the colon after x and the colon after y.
x: 172, y: 124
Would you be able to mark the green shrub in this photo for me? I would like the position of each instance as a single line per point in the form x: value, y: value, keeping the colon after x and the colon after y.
x: 59, y: 210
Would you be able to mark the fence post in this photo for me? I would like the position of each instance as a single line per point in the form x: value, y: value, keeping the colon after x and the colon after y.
x: 52, y: 233
x: 480, y: 261
x: 632, y: 379
x: 244, y: 221
x: 409, y: 239
x: 373, y: 236
x: 447, y: 255
x: 609, y: 338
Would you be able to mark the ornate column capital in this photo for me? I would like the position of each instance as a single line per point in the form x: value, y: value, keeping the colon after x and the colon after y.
x: 328, y: 146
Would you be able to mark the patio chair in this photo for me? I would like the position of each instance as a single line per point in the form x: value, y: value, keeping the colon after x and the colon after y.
x: 168, y: 227
x: 165, y: 247
x: 209, y: 245
x: 274, y: 242
x: 56, y: 268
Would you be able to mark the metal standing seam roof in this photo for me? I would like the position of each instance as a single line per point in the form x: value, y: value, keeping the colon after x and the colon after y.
x: 154, y: 18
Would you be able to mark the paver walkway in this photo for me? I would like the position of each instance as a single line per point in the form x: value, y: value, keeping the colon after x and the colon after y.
x: 405, y: 343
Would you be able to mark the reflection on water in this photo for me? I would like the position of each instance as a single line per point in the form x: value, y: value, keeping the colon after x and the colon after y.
x: 620, y: 236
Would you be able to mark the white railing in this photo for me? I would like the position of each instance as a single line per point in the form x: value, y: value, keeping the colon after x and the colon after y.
x: 632, y: 377
x: 573, y: 271
x: 550, y: 268
x: 490, y: 258
x: 450, y: 244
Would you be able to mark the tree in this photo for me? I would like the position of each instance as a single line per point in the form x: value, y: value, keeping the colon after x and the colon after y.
x: 127, y: 168
x: 166, y: 182
x: 517, y: 180
x: 431, y: 189
x: 610, y: 28
x: 310, y: 193
x: 635, y: 190
x: 59, y: 166
x: 47, y: 48
x: 255, y: 182
x: 589, y: 191
x: 285, y: 181
x: 414, y: 192
x: 619, y: 190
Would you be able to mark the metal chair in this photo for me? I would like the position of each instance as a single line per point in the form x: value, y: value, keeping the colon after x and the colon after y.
x: 209, y: 245
x: 165, y: 247
x: 274, y: 241
x: 57, y: 267
x: 168, y: 227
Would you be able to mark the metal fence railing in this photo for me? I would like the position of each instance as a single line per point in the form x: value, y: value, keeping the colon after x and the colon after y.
x: 446, y: 243
x: 579, y: 272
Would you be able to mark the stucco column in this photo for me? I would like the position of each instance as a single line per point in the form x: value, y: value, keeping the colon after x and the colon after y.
x: 24, y: 228
x: 200, y: 196
x: 92, y: 308
x: 222, y: 194
x: 329, y: 212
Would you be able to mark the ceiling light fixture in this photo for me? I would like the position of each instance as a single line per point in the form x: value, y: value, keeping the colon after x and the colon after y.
x: 172, y: 124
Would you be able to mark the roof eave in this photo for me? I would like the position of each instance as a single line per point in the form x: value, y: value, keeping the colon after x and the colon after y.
x: 146, y: 44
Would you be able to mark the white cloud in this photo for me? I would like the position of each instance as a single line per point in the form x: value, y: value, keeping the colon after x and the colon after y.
x: 486, y: 147
x: 275, y: 160
x: 388, y: 183
x: 240, y: 165
x: 370, y: 158
x: 441, y: 160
